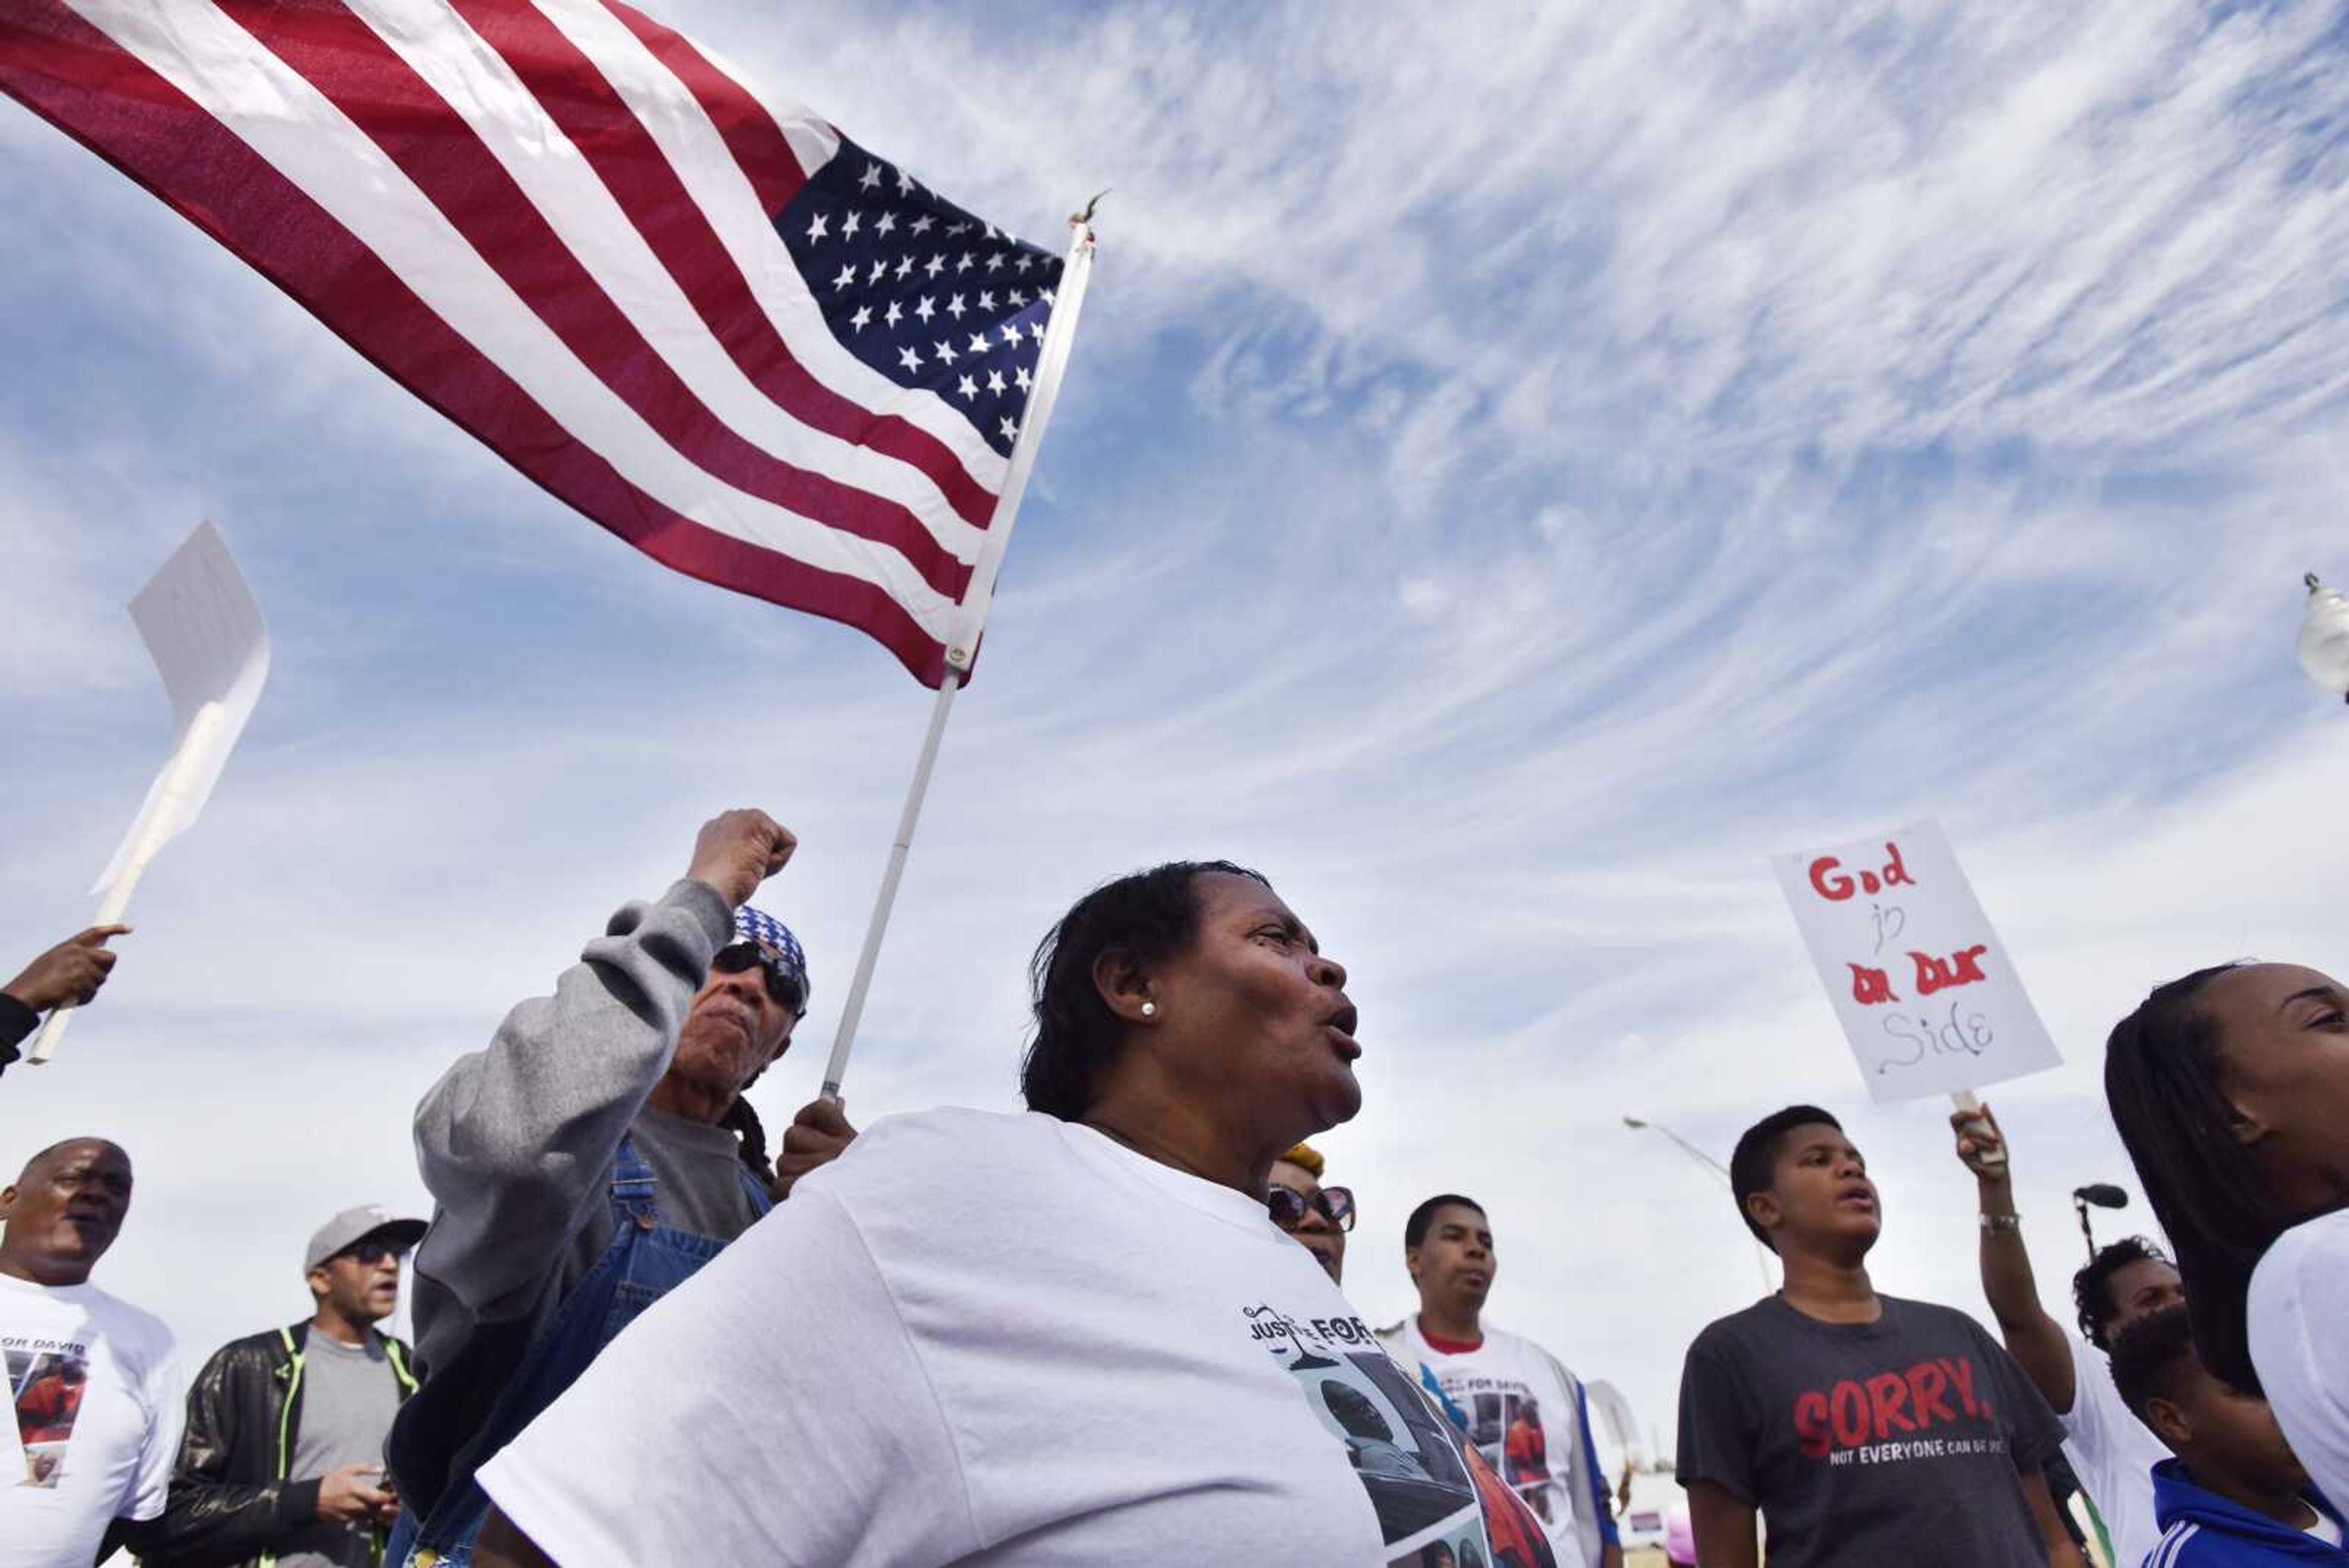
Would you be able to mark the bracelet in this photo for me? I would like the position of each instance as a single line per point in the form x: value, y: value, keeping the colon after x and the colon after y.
x: 2011, y: 1223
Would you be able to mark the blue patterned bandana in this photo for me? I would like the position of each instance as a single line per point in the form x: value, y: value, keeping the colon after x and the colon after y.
x: 758, y: 926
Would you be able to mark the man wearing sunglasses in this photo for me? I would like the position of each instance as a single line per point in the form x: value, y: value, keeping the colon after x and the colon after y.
x: 283, y: 1459
x: 594, y: 1158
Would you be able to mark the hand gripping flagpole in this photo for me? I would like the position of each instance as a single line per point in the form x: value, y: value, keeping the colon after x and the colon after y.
x: 1058, y: 332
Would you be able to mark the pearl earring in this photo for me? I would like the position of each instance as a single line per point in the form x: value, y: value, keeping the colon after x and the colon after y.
x: 1149, y: 1010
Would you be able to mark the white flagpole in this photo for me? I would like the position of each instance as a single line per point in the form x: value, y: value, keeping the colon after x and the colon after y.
x: 1058, y: 332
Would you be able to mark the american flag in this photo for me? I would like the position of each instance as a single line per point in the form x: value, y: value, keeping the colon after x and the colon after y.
x: 707, y: 320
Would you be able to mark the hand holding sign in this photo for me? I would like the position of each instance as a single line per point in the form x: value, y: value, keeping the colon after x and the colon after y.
x: 1927, y: 999
x: 1981, y: 1148
x: 69, y: 973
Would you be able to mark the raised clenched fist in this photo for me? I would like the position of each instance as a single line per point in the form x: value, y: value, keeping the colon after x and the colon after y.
x: 739, y: 849
x: 70, y: 973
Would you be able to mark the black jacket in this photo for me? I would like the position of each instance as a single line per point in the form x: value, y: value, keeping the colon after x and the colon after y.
x: 231, y: 1503
x: 16, y: 1021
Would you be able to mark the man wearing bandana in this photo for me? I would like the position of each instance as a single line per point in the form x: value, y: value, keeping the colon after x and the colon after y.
x: 591, y: 1159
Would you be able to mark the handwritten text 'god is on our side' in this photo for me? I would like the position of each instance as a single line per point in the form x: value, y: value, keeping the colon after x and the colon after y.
x: 1872, y: 985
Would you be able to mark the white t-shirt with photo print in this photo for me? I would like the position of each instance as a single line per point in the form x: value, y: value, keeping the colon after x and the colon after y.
x: 96, y: 1412
x: 1525, y: 1410
x: 1000, y: 1340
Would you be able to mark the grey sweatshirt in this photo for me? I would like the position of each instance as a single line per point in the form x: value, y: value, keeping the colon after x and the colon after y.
x: 517, y: 1143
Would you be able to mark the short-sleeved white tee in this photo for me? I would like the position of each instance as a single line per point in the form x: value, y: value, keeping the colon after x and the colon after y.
x: 999, y: 1340
x: 2113, y: 1453
x: 1525, y: 1410
x: 2299, y: 1321
x: 95, y: 1392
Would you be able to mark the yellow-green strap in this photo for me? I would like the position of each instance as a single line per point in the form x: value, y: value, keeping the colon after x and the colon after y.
x: 286, y: 1422
x: 399, y: 1371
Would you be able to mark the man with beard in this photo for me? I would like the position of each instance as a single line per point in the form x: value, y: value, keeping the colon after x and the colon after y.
x: 587, y: 1163
x: 283, y: 1460
x: 1502, y: 1381
x: 94, y: 1382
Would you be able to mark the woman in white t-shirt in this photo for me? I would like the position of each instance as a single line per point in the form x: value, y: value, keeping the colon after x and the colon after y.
x: 1068, y: 1337
x: 2230, y: 1087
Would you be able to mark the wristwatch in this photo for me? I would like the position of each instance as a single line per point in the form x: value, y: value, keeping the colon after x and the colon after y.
x: 2010, y: 1223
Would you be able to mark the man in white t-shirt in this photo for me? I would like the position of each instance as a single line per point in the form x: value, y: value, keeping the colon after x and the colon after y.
x: 1526, y: 1410
x: 94, y: 1382
x: 2110, y: 1451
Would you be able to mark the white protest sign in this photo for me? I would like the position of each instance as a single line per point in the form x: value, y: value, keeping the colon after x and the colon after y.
x: 1928, y: 996
x: 205, y: 634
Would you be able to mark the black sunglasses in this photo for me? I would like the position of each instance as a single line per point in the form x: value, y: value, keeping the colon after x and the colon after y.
x: 373, y: 1252
x: 1288, y: 1206
x: 782, y: 983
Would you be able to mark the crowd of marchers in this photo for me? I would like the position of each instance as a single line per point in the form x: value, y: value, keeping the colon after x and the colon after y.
x: 1112, y: 1329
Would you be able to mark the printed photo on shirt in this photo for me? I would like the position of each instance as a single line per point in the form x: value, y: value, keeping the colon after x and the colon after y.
x: 46, y: 1388
x: 1508, y: 1429
x: 1437, y: 1500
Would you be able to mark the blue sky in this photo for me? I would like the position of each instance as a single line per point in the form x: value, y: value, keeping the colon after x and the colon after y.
x: 1515, y: 476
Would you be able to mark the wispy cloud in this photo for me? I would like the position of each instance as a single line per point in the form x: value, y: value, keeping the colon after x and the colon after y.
x: 1520, y: 471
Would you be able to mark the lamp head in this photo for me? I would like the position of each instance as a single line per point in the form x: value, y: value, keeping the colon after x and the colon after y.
x: 2324, y: 637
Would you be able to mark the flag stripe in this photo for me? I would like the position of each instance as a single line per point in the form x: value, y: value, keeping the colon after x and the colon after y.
x: 571, y: 88
x: 70, y: 71
x: 414, y: 125
x: 758, y: 350
x: 282, y: 116
x: 723, y: 188
x: 750, y: 131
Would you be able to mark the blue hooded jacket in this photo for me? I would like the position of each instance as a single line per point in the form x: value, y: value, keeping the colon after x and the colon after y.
x: 2202, y: 1529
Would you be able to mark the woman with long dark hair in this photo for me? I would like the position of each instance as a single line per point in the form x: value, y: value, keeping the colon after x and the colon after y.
x: 1071, y: 1336
x: 2231, y: 1088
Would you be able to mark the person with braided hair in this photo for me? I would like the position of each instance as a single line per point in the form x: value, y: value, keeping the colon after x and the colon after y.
x: 2229, y: 1087
x: 596, y: 1156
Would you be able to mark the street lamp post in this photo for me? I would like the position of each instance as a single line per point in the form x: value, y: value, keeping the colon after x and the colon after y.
x: 1761, y: 1253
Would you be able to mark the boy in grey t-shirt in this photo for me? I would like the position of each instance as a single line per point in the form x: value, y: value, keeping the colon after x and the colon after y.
x: 1861, y: 1427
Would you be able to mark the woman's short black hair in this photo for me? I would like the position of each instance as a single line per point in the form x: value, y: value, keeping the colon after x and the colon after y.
x: 2208, y: 1190
x: 1146, y: 915
x: 1755, y: 1158
x: 2092, y: 1287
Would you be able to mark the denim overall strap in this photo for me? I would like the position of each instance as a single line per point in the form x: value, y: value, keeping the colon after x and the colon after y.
x: 644, y: 1261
